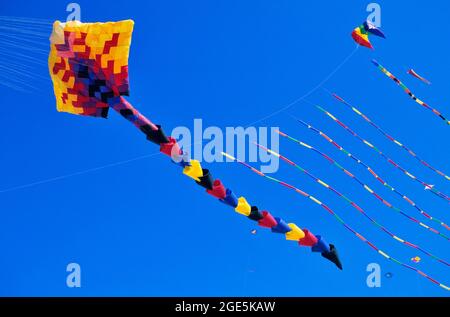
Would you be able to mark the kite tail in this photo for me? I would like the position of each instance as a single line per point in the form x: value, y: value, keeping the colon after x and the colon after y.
x: 215, y: 188
x: 388, y: 159
x: 339, y: 219
x: 369, y: 169
x: 127, y: 111
x: 414, y: 74
x: 390, y: 138
x: 354, y: 205
x: 372, y: 192
x: 407, y: 91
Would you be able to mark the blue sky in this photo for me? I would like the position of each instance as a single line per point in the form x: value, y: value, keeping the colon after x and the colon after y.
x: 143, y: 229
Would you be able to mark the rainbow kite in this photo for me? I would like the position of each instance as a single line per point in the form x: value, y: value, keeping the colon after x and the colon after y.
x: 88, y: 65
x: 427, y: 186
x: 406, y: 89
x: 391, y: 138
x: 361, y: 34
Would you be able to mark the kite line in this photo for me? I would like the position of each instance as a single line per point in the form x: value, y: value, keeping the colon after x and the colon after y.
x: 89, y: 170
x: 337, y: 217
x: 282, y: 109
x: 311, y: 91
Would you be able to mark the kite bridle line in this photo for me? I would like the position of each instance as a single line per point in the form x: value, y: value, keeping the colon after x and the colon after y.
x: 284, y: 108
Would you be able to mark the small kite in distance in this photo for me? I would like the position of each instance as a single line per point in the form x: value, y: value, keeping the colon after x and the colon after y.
x: 361, y: 34
x: 414, y: 74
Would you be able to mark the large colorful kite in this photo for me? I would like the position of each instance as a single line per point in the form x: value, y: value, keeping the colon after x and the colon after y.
x: 391, y: 138
x: 88, y: 64
x: 406, y: 90
x: 361, y: 34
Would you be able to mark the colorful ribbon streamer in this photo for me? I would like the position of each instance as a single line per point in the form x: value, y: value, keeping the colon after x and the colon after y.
x: 358, y: 161
x: 372, y: 192
x: 406, y: 89
x: 337, y: 217
x: 215, y: 188
x: 388, y: 159
x: 391, y: 138
x: 88, y: 64
x: 416, y: 75
x: 354, y: 205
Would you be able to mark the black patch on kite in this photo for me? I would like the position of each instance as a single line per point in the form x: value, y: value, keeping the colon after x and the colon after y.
x: 146, y: 129
x: 95, y: 87
x: 255, y: 214
x: 126, y: 112
x: 105, y: 96
x: 206, y: 180
x: 155, y: 136
x: 333, y: 256
x: 83, y: 72
x: 104, y: 113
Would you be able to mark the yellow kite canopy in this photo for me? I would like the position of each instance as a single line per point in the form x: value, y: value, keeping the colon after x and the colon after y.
x: 88, y: 64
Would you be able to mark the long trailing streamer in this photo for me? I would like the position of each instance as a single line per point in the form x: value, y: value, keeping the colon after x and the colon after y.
x: 354, y: 205
x: 338, y: 218
x: 406, y: 90
x: 358, y: 161
x: 390, y: 137
x: 387, y: 158
x: 413, y: 73
x: 371, y: 191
